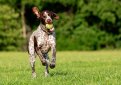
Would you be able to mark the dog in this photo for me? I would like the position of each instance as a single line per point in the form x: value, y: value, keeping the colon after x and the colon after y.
x: 42, y: 40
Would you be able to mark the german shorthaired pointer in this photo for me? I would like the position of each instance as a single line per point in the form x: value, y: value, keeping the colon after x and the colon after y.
x: 42, y: 40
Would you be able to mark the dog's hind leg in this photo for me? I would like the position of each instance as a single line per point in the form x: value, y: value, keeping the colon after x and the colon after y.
x: 46, y: 70
x: 32, y: 57
x: 53, y: 60
x: 47, y: 65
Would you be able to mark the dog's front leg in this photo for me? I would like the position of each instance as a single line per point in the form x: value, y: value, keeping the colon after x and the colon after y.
x: 31, y: 51
x: 53, y: 60
x: 32, y: 62
x: 41, y: 57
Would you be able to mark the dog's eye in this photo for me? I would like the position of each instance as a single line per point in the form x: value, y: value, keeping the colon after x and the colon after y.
x: 49, y: 15
x: 44, y: 16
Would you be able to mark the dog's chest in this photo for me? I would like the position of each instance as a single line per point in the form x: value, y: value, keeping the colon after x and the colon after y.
x: 45, y: 41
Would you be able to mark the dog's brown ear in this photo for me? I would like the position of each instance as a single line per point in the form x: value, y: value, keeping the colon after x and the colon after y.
x: 36, y: 11
x: 54, y: 15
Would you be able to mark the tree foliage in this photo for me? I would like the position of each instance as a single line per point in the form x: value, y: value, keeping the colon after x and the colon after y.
x: 10, y: 34
x: 83, y: 24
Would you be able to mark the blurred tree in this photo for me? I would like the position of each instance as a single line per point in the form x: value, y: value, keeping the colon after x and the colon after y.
x: 10, y: 34
x: 83, y: 24
x: 25, y: 3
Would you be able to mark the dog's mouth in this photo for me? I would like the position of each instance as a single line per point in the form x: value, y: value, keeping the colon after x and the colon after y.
x: 50, y: 27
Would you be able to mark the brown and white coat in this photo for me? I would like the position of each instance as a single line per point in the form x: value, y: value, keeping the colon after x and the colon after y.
x: 42, y: 40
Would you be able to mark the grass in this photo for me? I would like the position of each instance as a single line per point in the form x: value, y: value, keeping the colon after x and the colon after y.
x: 73, y: 68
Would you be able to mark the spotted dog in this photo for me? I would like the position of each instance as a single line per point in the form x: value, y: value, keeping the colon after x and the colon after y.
x: 42, y: 40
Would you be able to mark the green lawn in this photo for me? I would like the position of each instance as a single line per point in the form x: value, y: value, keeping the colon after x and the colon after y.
x: 73, y: 68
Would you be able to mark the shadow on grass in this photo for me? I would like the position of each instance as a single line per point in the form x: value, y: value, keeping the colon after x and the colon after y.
x: 59, y: 73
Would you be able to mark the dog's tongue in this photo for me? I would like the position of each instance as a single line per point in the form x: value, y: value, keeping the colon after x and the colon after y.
x: 51, y: 30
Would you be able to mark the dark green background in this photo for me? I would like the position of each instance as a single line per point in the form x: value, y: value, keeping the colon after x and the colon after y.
x: 83, y: 24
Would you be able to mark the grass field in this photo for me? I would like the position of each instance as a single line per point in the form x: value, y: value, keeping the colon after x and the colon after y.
x: 73, y: 68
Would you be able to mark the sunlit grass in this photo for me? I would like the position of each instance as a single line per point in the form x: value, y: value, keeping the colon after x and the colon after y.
x: 72, y: 68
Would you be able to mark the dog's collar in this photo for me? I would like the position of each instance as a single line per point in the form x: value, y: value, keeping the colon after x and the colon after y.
x: 45, y: 29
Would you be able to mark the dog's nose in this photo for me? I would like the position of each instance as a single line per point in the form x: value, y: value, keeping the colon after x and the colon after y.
x: 49, y: 20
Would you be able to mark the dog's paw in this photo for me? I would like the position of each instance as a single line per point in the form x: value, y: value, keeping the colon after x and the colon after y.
x: 34, y: 75
x: 52, y: 65
x: 44, y: 62
x: 47, y: 74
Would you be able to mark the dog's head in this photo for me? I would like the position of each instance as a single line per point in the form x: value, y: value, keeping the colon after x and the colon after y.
x: 46, y: 17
